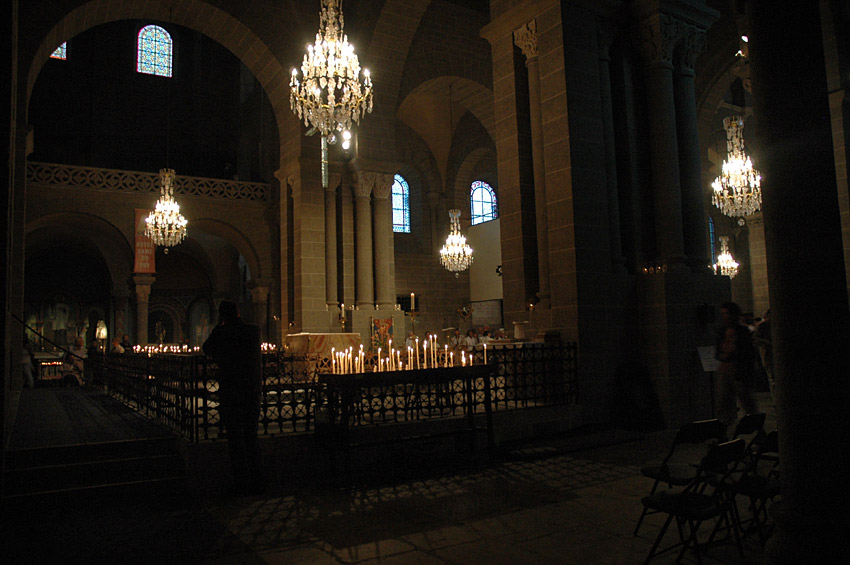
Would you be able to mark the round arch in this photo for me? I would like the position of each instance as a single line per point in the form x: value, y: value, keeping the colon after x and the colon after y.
x: 235, y: 238
x: 464, y: 179
x: 197, y: 15
x: 116, y: 251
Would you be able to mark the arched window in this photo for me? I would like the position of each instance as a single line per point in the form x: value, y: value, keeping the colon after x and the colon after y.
x: 401, y: 205
x: 61, y: 52
x: 154, y: 51
x: 482, y: 202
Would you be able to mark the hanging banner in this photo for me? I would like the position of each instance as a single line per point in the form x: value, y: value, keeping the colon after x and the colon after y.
x: 144, y: 248
x: 382, y: 332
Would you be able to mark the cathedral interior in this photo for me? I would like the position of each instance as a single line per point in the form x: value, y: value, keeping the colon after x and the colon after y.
x: 579, y: 141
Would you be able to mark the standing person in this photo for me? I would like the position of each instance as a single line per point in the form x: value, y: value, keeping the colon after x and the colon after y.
x: 235, y: 347
x: 762, y: 341
x: 27, y: 365
x: 73, y: 363
x: 736, y: 354
x: 116, y: 346
x: 126, y: 344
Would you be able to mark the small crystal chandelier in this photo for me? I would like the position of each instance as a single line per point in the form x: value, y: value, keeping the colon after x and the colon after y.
x: 166, y: 226
x: 455, y: 255
x: 737, y: 191
x: 331, y: 96
x: 726, y: 264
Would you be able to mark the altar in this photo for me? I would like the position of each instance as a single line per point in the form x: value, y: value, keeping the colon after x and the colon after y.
x: 316, y: 347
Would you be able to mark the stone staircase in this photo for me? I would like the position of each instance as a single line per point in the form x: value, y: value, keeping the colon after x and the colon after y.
x: 144, y: 468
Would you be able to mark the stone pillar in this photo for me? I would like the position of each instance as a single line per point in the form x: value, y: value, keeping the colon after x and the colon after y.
x: 526, y: 39
x: 143, y: 284
x: 364, y: 291
x: 260, y: 301
x: 810, y: 316
x: 658, y: 36
x: 693, y: 202
x: 382, y: 237
x: 433, y: 212
x: 331, y: 278
x: 605, y: 34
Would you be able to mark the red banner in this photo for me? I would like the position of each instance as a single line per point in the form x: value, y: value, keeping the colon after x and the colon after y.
x: 144, y: 246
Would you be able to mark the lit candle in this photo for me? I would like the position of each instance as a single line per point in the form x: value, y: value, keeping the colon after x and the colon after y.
x: 333, y: 360
x: 446, y: 358
x: 463, y: 358
x: 413, y: 301
x: 452, y: 358
x: 425, y: 352
x: 342, y: 310
x: 485, y: 353
x: 417, y: 352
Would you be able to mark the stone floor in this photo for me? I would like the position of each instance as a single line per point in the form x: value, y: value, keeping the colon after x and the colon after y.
x: 562, y: 506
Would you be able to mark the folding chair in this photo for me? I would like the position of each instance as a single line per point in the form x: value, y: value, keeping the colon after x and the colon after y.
x: 701, y: 500
x: 760, y: 483
x: 751, y: 425
x: 676, y: 472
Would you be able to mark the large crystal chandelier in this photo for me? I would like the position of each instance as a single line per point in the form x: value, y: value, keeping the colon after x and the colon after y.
x: 455, y: 255
x: 330, y: 95
x: 737, y: 191
x: 166, y: 226
x: 726, y: 264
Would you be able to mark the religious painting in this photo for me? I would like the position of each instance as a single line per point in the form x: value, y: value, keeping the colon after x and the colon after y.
x: 382, y: 332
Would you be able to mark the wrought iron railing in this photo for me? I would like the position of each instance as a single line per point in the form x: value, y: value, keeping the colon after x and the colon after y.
x: 181, y: 391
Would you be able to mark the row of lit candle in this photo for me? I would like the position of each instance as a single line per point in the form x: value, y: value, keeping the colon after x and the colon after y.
x: 150, y: 349
x: 347, y: 361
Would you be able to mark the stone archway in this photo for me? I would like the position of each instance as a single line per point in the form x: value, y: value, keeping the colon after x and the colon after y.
x: 197, y: 15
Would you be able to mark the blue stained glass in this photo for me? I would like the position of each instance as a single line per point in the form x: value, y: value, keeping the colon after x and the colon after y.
x: 61, y: 52
x: 154, y: 51
x: 482, y: 202
x: 711, y: 237
x: 401, y: 205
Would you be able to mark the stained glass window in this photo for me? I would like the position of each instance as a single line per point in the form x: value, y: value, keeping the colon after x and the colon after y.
x: 712, y: 238
x: 154, y: 51
x: 401, y: 205
x: 482, y: 202
x: 61, y: 52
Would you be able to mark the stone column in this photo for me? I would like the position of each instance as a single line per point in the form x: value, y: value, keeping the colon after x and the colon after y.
x: 526, y: 39
x: 690, y: 173
x: 606, y: 32
x: 143, y: 284
x: 658, y: 36
x: 433, y: 212
x: 260, y: 300
x: 331, y: 278
x: 364, y: 292
x: 810, y: 316
x: 382, y: 236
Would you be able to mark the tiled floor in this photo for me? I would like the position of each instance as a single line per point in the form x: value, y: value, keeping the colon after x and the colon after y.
x: 569, y: 507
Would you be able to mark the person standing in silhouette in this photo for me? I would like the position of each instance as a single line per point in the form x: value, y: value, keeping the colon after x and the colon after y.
x: 235, y: 348
x: 737, y: 357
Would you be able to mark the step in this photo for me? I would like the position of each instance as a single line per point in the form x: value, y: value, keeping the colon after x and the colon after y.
x: 86, y: 474
x: 162, y: 490
x: 103, y: 451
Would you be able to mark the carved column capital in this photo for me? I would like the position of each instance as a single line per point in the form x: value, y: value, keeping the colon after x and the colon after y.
x: 657, y: 38
x: 525, y: 37
x: 363, y: 183
x: 334, y: 180
x: 143, y: 284
x: 383, y: 186
x: 694, y: 43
